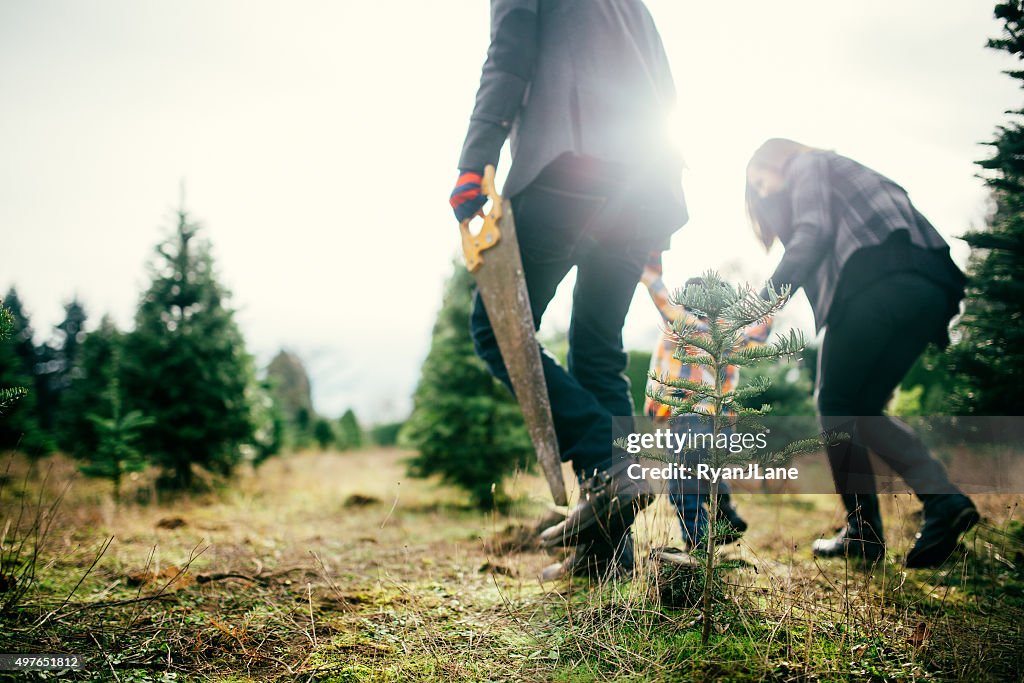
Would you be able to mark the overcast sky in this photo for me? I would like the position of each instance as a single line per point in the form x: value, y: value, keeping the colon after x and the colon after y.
x: 318, y: 141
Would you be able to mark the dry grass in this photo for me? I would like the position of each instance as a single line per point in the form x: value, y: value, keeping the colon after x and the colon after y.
x: 338, y: 567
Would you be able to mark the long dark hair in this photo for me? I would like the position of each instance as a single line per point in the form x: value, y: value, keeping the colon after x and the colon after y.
x: 773, y: 155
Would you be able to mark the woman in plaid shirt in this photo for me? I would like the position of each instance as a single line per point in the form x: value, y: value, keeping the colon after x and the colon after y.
x: 883, y: 286
x: 690, y: 497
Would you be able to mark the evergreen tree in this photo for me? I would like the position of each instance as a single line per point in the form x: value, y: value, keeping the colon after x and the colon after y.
x: 931, y: 387
x: 268, y: 423
x: 70, y: 336
x: 8, y: 394
x: 323, y: 433
x: 302, y: 427
x: 117, y: 433
x: 789, y: 392
x: 186, y: 365
x: 89, y: 386
x: 56, y: 362
x: 989, y: 357
x: 45, y: 369
x: 21, y: 333
x: 350, y: 434
x: 20, y: 428
x: 727, y: 310
x: 466, y: 426
x: 292, y: 392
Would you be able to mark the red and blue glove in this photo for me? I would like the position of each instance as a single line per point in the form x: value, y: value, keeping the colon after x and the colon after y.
x: 466, y: 198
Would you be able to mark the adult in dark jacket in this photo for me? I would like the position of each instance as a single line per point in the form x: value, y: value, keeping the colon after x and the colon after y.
x: 882, y: 285
x: 584, y: 90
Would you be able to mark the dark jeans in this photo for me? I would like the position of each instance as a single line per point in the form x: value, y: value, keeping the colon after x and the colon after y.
x: 864, y: 356
x: 690, y: 497
x: 574, y: 214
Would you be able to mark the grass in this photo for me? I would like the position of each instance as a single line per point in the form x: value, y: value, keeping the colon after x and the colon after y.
x: 338, y: 567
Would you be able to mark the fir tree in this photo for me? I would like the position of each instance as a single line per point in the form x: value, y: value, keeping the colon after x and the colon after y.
x: 350, y: 434
x: 45, y: 369
x: 931, y: 386
x: 989, y: 357
x: 302, y: 427
x: 323, y: 432
x: 117, y: 434
x: 8, y: 394
x: 56, y: 361
x: 186, y: 365
x: 70, y: 336
x: 90, y: 380
x: 20, y: 428
x: 466, y: 426
x: 790, y: 393
x: 293, y: 394
x: 21, y: 333
x: 727, y: 310
x: 268, y: 423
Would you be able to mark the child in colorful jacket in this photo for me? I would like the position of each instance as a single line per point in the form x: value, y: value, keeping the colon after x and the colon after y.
x: 690, y: 497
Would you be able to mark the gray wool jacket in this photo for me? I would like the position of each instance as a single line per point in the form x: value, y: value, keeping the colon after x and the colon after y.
x: 588, y: 77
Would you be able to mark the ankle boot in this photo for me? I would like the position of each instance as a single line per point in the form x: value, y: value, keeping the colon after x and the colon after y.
x: 946, y: 517
x: 862, y: 537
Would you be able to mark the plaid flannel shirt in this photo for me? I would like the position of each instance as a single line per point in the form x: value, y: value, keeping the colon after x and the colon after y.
x: 840, y: 206
x: 664, y: 364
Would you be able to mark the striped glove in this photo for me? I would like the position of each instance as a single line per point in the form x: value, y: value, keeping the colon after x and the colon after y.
x: 466, y: 198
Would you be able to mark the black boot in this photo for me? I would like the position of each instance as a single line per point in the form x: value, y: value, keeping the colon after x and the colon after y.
x: 946, y: 516
x: 862, y: 537
x: 609, y: 502
x: 595, y: 560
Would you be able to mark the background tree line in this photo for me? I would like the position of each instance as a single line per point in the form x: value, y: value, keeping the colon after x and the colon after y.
x: 179, y: 391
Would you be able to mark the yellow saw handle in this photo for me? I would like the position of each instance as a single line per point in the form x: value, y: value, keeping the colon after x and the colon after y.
x: 473, y: 246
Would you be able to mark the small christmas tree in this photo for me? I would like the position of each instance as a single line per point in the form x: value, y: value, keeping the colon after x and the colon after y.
x: 350, y: 434
x: 293, y: 395
x: 716, y: 342
x: 186, y: 365
x: 323, y: 433
x: 89, y: 386
x: 117, y: 433
x: 56, y: 366
x: 466, y: 425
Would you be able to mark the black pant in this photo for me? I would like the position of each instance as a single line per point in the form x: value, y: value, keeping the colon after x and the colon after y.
x: 864, y: 356
x: 577, y: 213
